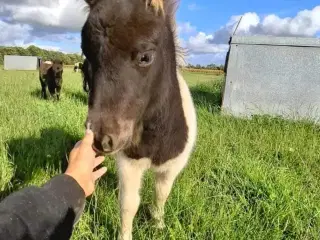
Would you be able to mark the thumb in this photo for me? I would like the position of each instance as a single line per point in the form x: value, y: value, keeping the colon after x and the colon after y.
x: 88, y: 138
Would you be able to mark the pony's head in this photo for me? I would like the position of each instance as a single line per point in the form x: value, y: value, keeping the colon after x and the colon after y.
x: 130, y: 47
x: 57, y: 67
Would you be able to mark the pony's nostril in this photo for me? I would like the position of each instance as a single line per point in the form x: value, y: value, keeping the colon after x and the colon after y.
x: 107, y: 143
x: 97, y: 145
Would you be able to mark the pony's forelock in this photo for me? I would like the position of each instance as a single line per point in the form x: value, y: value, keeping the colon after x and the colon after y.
x: 157, y: 5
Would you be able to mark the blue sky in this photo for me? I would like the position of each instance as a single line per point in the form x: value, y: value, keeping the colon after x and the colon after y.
x: 204, y: 26
x: 208, y: 16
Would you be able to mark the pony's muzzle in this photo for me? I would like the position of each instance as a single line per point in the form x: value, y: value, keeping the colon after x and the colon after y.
x: 106, y: 142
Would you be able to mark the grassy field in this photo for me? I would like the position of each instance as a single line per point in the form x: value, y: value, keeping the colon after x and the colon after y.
x: 256, y: 179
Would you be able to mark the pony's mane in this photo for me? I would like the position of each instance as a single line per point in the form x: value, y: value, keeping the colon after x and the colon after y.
x: 168, y: 8
x: 181, y: 52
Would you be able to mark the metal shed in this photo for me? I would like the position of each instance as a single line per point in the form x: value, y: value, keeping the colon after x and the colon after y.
x: 15, y: 62
x: 277, y: 76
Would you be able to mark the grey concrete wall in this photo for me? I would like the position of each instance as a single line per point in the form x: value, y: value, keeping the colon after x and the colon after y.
x: 273, y: 75
x: 13, y: 62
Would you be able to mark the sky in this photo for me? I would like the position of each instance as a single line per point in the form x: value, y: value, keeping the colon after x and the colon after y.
x: 204, y: 26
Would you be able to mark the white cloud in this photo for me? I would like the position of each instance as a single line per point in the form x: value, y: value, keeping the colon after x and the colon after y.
x: 305, y: 24
x: 200, y: 44
x: 21, y: 35
x: 186, y: 28
x: 31, y: 14
x: 73, y: 16
x: 14, y: 32
x: 60, y: 15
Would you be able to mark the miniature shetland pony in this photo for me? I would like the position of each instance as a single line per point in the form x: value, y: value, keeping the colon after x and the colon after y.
x: 139, y: 107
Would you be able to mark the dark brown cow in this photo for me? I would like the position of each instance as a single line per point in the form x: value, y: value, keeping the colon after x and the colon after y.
x: 140, y: 107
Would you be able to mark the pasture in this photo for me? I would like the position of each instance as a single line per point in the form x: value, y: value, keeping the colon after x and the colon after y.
x: 247, y: 179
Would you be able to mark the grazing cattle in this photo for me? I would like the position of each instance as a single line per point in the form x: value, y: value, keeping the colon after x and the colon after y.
x: 140, y: 107
x: 80, y: 65
x: 77, y: 66
x: 86, y: 75
x: 50, y: 75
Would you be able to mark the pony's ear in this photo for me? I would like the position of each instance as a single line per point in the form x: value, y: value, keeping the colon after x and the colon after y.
x: 91, y: 2
x: 156, y: 5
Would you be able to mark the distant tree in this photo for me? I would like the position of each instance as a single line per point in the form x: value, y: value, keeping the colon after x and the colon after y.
x: 211, y: 66
x: 34, y: 51
x: 221, y: 67
x: 22, y: 51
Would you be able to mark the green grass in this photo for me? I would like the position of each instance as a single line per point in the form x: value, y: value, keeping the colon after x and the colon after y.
x: 247, y: 179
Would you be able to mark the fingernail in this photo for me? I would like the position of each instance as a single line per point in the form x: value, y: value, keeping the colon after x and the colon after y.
x: 88, y: 131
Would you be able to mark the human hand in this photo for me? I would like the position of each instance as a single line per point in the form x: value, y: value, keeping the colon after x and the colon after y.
x: 82, y: 161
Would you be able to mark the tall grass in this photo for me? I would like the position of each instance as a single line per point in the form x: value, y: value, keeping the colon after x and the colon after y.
x: 247, y: 179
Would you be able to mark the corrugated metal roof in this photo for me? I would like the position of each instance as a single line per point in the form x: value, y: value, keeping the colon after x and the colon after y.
x: 276, y: 41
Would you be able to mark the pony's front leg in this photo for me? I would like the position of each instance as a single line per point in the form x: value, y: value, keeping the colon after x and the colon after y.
x: 130, y: 176
x: 163, y: 185
x: 58, y: 90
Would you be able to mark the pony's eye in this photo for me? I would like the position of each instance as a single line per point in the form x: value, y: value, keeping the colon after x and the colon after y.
x: 145, y: 59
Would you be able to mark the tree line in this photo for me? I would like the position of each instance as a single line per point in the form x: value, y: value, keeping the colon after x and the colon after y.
x: 68, y: 59
x: 209, y: 66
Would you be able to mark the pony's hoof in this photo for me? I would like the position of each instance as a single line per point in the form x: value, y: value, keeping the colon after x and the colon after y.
x: 157, y: 216
x: 159, y: 224
x: 125, y: 236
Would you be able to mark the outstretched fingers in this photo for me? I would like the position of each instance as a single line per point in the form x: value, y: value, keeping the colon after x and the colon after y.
x: 99, y: 173
x: 98, y: 161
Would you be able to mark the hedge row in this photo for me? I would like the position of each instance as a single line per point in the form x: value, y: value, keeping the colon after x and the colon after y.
x: 204, y: 71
